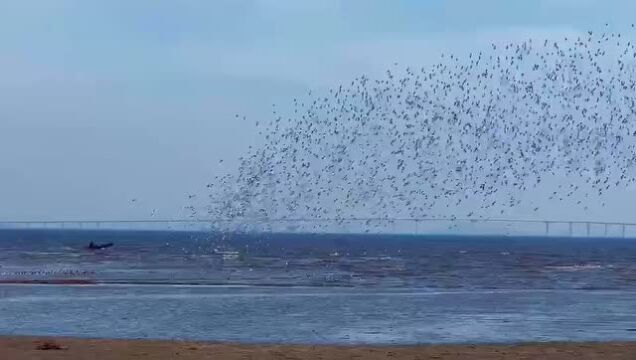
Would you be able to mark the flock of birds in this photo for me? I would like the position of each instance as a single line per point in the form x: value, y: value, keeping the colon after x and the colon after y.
x: 476, y: 134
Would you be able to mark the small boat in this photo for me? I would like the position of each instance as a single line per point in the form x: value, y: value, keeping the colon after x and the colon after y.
x: 93, y: 246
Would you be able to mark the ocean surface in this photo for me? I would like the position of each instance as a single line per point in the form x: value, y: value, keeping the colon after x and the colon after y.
x: 302, y: 288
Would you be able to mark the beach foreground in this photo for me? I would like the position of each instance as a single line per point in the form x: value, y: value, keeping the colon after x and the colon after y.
x: 31, y: 348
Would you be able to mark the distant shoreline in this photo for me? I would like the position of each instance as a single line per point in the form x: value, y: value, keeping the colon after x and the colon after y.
x: 31, y: 348
x: 48, y: 282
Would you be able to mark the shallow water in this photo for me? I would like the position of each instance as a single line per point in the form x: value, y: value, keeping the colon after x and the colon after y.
x: 317, y: 315
x: 319, y: 288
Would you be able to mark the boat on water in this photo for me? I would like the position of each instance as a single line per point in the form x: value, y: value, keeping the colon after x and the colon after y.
x: 93, y: 246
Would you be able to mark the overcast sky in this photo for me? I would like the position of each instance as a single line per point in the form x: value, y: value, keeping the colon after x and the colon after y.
x: 105, y: 101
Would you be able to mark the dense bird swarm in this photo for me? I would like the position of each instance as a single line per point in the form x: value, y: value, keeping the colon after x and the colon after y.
x: 471, y: 133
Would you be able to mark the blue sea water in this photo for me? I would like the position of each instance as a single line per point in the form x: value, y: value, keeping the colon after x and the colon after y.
x: 300, y: 288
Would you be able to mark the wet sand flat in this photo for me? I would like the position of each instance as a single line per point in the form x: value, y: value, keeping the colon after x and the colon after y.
x: 32, y: 348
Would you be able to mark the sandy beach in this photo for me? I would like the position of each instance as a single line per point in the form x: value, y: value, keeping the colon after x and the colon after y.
x: 32, y: 348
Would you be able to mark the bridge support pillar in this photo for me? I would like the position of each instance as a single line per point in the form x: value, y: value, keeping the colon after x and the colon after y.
x: 606, y: 225
x: 571, y: 232
x: 587, y: 226
x: 623, y: 230
x: 547, y: 228
x: 417, y: 227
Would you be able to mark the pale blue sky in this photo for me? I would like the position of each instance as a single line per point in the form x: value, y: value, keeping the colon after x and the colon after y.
x: 105, y: 101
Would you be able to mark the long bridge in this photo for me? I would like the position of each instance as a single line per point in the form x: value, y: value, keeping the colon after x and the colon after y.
x: 402, y: 225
